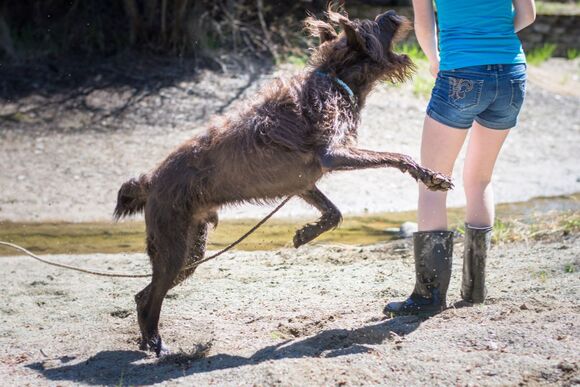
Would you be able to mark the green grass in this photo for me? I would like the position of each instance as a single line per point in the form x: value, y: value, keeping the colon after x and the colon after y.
x: 542, y: 276
x: 571, y: 225
x: 412, y: 50
x: 540, y: 54
x: 121, y: 382
x: 423, y: 84
x: 572, y: 53
x: 297, y: 60
x: 557, y: 8
x: 17, y: 117
x: 502, y: 230
x: 552, y: 226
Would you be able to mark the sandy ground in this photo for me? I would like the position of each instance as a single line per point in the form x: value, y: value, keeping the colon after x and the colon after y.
x: 287, y: 317
x: 306, y: 317
x: 50, y: 174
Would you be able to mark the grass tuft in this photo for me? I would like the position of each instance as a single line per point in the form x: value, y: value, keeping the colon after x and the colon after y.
x: 542, y: 276
x: 423, y: 85
x: 572, y: 53
x: 540, y: 54
x: 546, y: 227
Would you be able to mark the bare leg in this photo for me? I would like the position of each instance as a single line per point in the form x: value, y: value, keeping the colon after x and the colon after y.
x: 440, y: 145
x: 482, y: 151
x: 330, y: 218
x: 341, y: 159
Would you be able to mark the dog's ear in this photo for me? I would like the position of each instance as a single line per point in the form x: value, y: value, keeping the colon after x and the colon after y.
x: 362, y: 40
x: 360, y: 35
x: 383, y: 18
x: 320, y: 29
x: 339, y: 18
x: 353, y: 38
x: 326, y: 33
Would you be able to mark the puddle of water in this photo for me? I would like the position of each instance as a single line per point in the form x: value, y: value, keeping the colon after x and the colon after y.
x: 86, y: 238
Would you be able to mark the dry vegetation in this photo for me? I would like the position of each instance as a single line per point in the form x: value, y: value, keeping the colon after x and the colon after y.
x: 32, y: 28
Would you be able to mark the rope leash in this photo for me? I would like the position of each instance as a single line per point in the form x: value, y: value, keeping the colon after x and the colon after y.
x: 62, y: 265
x: 125, y: 275
x: 240, y: 239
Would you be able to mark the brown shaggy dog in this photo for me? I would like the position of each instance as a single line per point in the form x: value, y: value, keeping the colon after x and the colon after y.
x: 281, y: 145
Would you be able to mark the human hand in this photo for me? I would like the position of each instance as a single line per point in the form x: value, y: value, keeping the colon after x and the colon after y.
x: 434, y: 68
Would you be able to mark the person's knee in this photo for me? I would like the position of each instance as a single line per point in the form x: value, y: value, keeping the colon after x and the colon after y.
x: 428, y: 196
x: 474, y: 182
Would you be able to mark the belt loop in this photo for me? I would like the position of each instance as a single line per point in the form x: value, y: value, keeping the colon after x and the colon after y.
x: 488, y: 67
x: 500, y: 67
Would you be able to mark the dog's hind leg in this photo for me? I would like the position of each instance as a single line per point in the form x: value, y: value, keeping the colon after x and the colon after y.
x: 197, y: 246
x: 330, y: 218
x: 167, y: 247
x: 343, y: 159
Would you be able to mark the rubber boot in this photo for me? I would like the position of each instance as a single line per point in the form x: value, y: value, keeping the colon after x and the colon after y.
x: 433, y: 256
x: 477, y: 244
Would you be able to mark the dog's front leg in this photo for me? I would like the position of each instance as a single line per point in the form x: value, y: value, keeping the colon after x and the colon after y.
x: 344, y: 159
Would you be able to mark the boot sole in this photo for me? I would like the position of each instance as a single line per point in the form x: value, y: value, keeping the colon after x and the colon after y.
x: 416, y: 314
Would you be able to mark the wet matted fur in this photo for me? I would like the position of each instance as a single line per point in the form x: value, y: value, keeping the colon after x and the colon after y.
x: 280, y: 145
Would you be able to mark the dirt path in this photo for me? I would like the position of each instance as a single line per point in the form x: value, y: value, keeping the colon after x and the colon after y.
x: 287, y: 317
x: 54, y: 175
x: 563, y: 82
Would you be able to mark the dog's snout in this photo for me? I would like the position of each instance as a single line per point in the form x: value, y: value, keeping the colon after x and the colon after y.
x: 389, y: 16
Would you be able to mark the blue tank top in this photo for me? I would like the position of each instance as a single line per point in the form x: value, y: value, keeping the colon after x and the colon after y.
x: 477, y: 32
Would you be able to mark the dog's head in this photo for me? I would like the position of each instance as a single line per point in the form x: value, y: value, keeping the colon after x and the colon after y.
x: 362, y: 45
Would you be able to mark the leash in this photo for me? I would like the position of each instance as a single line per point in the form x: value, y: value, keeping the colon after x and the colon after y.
x: 62, y: 265
x: 126, y: 275
x: 240, y: 239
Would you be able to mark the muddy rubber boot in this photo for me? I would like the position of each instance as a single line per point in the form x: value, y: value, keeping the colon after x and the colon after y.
x: 433, y: 253
x: 477, y: 244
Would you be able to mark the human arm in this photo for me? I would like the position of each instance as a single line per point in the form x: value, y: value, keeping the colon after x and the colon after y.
x: 426, y: 33
x: 525, y: 13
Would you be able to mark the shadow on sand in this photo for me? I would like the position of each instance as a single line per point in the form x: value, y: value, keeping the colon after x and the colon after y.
x: 117, y: 367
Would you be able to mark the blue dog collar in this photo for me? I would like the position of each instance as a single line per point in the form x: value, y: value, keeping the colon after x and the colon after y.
x: 342, y: 84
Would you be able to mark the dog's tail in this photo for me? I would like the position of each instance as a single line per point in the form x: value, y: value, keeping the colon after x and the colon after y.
x: 132, y: 197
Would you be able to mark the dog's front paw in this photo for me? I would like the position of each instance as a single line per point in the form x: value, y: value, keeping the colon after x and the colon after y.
x: 436, y: 181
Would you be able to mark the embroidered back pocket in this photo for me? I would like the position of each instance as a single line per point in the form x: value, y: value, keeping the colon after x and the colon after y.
x: 464, y: 93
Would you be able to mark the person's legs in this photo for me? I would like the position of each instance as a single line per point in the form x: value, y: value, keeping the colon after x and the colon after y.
x: 440, y: 145
x: 433, y: 244
x: 482, y: 151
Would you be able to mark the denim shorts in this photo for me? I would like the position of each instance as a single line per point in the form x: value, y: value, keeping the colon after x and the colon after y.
x: 492, y: 95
